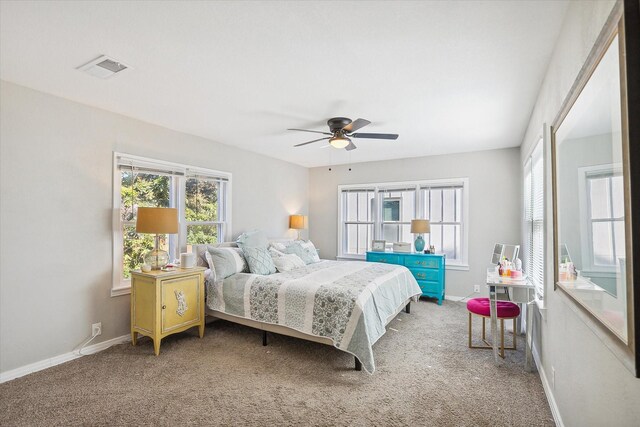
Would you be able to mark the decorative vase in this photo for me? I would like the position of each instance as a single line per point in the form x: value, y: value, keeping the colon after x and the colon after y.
x: 157, y: 259
x: 419, y: 243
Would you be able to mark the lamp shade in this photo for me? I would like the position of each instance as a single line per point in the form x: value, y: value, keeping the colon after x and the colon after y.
x: 157, y: 221
x: 419, y: 226
x: 297, y: 222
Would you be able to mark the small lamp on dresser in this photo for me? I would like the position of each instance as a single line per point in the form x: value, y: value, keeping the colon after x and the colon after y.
x: 298, y: 222
x: 157, y: 221
x: 419, y: 227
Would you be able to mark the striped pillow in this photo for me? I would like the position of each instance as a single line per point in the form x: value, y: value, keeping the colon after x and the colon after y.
x: 226, y: 261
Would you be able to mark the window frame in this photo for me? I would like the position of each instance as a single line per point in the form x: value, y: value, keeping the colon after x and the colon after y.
x: 344, y: 214
x: 529, y: 224
x: 381, y: 187
x: 589, y: 267
x: 178, y: 243
x: 442, y: 223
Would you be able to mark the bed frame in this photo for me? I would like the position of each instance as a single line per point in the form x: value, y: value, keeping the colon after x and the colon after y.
x: 270, y: 327
x: 283, y: 330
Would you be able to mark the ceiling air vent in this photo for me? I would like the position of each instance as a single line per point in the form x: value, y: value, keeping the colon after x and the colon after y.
x: 103, y: 67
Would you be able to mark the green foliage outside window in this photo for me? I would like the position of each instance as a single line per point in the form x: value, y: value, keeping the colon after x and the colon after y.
x: 201, y: 204
x: 146, y: 190
x: 150, y: 190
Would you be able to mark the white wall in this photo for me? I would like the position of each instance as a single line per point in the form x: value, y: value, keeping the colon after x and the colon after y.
x: 592, y: 387
x: 494, y: 202
x: 55, y: 214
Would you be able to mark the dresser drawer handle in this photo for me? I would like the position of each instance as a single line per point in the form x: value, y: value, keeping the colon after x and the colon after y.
x: 164, y: 307
x: 421, y: 275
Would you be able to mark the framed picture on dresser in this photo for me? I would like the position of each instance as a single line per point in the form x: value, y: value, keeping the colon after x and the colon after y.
x: 378, y: 245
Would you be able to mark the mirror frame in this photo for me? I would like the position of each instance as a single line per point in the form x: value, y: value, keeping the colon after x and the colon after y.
x: 624, y: 21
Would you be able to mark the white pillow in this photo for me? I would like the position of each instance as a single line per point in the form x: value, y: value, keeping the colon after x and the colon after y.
x: 312, y: 250
x: 275, y: 253
x: 288, y: 262
x: 279, y: 246
x: 305, y: 250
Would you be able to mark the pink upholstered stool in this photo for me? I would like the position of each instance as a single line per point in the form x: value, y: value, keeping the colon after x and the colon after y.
x: 482, y: 308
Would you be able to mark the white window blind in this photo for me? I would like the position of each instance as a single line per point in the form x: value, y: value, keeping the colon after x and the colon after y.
x: 534, y: 219
x: 384, y: 211
x: 357, y: 220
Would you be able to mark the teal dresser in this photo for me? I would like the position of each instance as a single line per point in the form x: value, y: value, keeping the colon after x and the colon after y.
x: 426, y: 268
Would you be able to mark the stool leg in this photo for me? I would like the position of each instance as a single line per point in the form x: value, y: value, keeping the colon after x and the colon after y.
x: 469, y: 329
x: 484, y: 337
x: 502, y: 338
x: 514, y: 333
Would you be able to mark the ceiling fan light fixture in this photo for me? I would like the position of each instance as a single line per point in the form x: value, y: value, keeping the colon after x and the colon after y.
x: 339, y: 141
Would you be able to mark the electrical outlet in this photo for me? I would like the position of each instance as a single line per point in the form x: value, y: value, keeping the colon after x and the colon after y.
x: 96, y: 329
x: 476, y: 289
x: 553, y: 378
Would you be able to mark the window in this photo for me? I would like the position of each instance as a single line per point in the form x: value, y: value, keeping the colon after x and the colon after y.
x: 200, y: 195
x: 398, y: 209
x: 384, y: 212
x: 205, y: 209
x: 358, y: 219
x: 534, y: 219
x: 602, y: 196
x: 443, y: 208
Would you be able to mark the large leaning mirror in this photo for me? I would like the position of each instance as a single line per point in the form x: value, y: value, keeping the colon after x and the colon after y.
x: 591, y: 192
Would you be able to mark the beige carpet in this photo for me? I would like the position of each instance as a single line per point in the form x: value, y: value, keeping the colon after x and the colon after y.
x: 425, y: 375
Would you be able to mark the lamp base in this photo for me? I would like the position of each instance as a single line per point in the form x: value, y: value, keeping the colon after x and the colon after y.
x: 419, y: 243
x: 157, y: 259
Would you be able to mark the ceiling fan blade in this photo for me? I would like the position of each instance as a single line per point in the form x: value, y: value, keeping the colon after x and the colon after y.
x: 355, y: 125
x: 374, y: 135
x: 309, y: 142
x: 351, y: 146
x: 314, y: 131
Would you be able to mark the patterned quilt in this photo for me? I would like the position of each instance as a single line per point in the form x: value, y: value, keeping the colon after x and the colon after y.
x: 348, y: 302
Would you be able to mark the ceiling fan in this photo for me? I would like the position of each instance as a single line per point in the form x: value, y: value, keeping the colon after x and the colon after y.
x: 342, y: 130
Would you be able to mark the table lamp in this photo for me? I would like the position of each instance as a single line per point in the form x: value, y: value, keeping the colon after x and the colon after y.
x: 420, y: 226
x: 298, y: 222
x: 157, y: 221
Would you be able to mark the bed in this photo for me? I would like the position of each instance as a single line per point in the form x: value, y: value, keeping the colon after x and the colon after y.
x: 345, y: 304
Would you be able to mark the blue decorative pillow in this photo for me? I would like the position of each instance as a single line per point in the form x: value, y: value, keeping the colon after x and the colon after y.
x: 254, y: 246
x: 259, y: 260
x: 253, y: 239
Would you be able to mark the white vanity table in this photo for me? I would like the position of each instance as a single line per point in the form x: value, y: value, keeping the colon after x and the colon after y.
x: 521, y: 292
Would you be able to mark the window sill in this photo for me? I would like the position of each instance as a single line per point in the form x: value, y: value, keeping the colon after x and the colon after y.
x: 458, y: 267
x: 122, y: 290
x: 542, y: 307
x: 351, y: 257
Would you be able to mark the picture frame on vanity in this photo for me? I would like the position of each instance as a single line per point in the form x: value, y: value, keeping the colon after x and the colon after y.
x: 378, y: 245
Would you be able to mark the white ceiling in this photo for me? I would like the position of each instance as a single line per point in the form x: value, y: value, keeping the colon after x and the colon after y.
x: 447, y: 76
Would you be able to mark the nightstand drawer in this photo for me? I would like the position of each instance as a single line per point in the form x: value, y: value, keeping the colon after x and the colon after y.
x: 382, y: 257
x: 421, y: 262
x: 425, y: 274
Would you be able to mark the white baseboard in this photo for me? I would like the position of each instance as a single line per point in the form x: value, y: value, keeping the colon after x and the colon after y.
x: 57, y: 360
x: 460, y: 299
x: 547, y: 389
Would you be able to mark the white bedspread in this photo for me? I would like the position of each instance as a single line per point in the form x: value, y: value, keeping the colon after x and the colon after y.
x: 347, y: 302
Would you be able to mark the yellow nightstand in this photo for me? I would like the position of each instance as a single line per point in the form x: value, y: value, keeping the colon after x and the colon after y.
x: 166, y: 302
